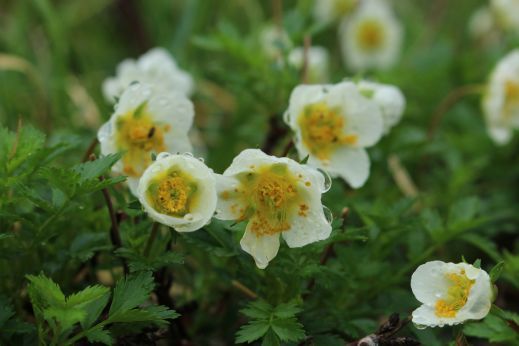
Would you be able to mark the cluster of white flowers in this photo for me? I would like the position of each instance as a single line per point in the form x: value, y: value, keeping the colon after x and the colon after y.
x: 501, y: 100
x: 450, y: 293
x: 334, y: 124
x: 276, y: 196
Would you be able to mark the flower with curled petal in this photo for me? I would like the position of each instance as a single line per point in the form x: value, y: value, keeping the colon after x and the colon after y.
x: 333, y: 125
x: 156, y: 67
x: 146, y: 121
x: 450, y: 293
x: 389, y: 98
x: 501, y: 100
x: 276, y: 197
x: 178, y: 191
x: 371, y: 37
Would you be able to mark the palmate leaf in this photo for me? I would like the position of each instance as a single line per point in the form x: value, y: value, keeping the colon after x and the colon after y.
x: 252, y: 331
x: 258, y: 309
x: 288, y: 329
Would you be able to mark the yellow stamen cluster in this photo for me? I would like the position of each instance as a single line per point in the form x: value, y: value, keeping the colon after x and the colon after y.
x: 511, y: 98
x: 457, y: 295
x: 272, y: 198
x: 370, y: 35
x: 138, y: 136
x: 322, y: 130
x: 172, y: 193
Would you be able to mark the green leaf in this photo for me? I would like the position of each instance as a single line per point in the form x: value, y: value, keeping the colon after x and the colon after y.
x: 270, y: 339
x: 65, y: 317
x: 477, y: 263
x: 288, y: 329
x: 156, y: 314
x: 94, y: 169
x: 463, y: 211
x: 258, y: 309
x: 99, y: 335
x: 44, y: 292
x: 287, y: 310
x: 496, y: 271
x: 130, y: 292
x: 87, y: 295
x: 252, y: 331
x: 94, y: 309
x: 492, y: 328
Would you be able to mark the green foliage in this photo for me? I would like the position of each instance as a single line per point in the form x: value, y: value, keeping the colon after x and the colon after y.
x: 60, y: 316
x: 272, y: 323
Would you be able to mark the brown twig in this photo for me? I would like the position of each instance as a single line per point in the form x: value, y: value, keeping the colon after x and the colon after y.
x: 306, y: 57
x: 277, y: 13
x: 385, y: 334
x: 448, y: 102
x: 276, y: 132
x: 132, y: 25
x: 287, y: 148
x: 115, y: 235
x: 244, y: 289
x: 90, y: 150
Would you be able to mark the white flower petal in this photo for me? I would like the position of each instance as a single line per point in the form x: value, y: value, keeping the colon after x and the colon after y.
x: 228, y: 207
x: 350, y: 164
x: 262, y: 248
x: 202, y: 211
x: 425, y: 316
x: 428, y: 282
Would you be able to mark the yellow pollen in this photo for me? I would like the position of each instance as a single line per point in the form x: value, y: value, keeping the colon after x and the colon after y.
x: 272, y: 199
x: 322, y: 130
x: 303, y: 210
x: 370, y: 35
x: 457, y: 295
x: 511, y: 107
x: 172, y: 193
x: 138, y: 136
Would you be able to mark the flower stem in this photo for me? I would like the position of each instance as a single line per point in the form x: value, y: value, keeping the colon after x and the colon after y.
x: 153, y: 235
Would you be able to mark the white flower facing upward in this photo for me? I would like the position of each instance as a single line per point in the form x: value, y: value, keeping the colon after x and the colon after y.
x: 178, y: 191
x: 276, y: 196
x: 450, y: 293
x: 389, y: 98
x: 318, y: 63
x: 506, y: 12
x: 145, y: 121
x: 326, y: 11
x: 333, y: 125
x: 371, y: 37
x: 501, y: 100
x: 156, y: 68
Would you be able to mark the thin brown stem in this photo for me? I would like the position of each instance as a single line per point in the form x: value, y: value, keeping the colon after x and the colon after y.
x: 448, y: 102
x: 90, y: 150
x: 287, y: 148
x: 115, y: 235
x: 277, y: 13
x: 244, y: 289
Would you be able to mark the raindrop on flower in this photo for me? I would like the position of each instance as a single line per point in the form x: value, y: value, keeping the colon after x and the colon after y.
x: 327, y: 180
x: 328, y: 214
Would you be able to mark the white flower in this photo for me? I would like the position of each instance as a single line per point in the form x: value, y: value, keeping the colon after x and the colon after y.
x: 388, y: 97
x: 276, y: 196
x: 506, y: 12
x: 156, y: 68
x: 274, y: 42
x: 501, y: 100
x: 371, y: 37
x: 333, y: 125
x: 450, y: 293
x: 482, y: 23
x: 178, y: 191
x: 146, y: 121
x: 326, y: 11
x: 318, y: 69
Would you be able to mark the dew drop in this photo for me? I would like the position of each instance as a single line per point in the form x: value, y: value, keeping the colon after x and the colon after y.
x: 201, y: 159
x: 188, y: 154
x: 327, y: 180
x: 328, y: 214
x: 420, y: 326
x: 189, y: 217
x: 134, y: 86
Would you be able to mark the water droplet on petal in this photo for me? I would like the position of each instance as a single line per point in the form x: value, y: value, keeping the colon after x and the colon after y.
x: 327, y: 180
x: 163, y: 155
x: 420, y: 326
x: 188, y: 154
x: 328, y: 214
x: 189, y: 217
x: 201, y: 159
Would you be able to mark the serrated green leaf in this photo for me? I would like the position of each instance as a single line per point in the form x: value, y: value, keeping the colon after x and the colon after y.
x: 65, y: 317
x: 45, y: 292
x: 477, y: 263
x: 94, y: 169
x: 157, y: 314
x: 94, y: 309
x: 258, y: 309
x: 288, y: 329
x: 87, y: 295
x: 130, y: 292
x: 287, y: 310
x: 270, y: 339
x: 493, y: 329
x: 252, y: 331
x: 99, y: 335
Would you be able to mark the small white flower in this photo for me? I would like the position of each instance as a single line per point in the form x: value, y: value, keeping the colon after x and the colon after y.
x: 326, y: 11
x: 506, y: 12
x: 501, y: 100
x: 276, y: 196
x: 178, y: 191
x: 146, y: 121
x: 156, y: 68
x: 482, y: 23
x: 274, y: 42
x: 318, y: 66
x: 333, y: 125
x: 388, y: 97
x: 450, y: 293
x: 371, y: 37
